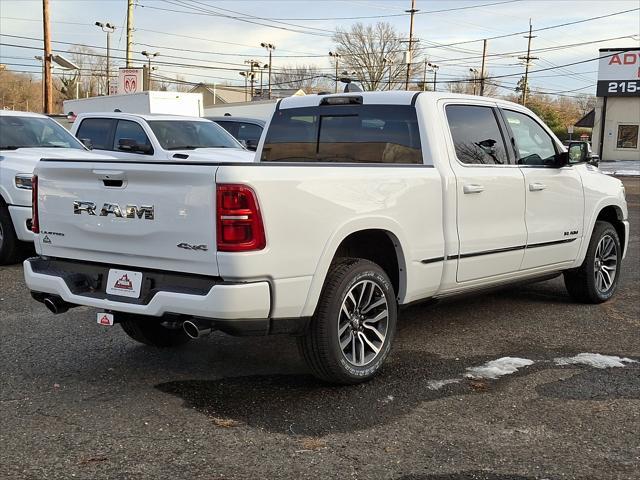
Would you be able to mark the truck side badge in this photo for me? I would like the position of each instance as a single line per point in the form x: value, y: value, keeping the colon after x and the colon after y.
x: 188, y: 246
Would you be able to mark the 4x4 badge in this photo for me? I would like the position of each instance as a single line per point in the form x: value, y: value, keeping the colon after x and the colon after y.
x: 188, y: 246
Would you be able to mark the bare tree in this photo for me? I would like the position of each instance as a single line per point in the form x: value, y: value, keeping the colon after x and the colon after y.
x: 470, y: 85
x: 375, y: 54
x: 93, y: 78
x: 307, y: 77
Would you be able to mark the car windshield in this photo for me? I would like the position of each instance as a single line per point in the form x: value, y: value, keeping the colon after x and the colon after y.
x: 34, y: 132
x: 191, y: 134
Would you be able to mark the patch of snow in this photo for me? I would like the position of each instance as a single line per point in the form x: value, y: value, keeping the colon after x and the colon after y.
x: 595, y: 360
x: 497, y: 368
x: 438, y: 384
x: 389, y: 399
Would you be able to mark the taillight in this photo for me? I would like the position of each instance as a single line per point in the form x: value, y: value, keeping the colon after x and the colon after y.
x: 35, y: 224
x: 239, y: 223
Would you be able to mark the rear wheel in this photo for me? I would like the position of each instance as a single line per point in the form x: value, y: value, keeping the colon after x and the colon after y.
x: 596, y: 280
x: 351, y: 333
x: 152, y: 331
x: 10, y: 246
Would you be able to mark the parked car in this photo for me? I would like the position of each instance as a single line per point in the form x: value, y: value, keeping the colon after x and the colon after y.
x: 246, y: 130
x: 25, y: 138
x: 360, y: 203
x: 131, y: 136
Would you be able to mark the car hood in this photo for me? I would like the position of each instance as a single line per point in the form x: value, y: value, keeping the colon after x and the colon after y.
x: 214, y: 155
x: 28, y: 157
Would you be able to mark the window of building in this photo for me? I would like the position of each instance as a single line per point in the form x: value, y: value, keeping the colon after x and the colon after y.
x: 476, y: 135
x: 344, y: 134
x: 627, y: 136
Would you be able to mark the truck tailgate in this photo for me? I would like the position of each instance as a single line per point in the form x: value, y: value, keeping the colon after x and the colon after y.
x: 154, y: 215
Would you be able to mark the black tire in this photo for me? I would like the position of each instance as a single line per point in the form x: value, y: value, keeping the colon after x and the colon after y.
x: 581, y: 282
x: 10, y: 247
x: 320, y: 345
x: 150, y: 331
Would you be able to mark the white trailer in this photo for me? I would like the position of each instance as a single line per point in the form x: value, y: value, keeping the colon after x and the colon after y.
x: 262, y: 109
x: 168, y: 103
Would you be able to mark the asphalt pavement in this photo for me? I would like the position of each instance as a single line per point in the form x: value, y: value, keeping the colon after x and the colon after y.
x: 79, y: 400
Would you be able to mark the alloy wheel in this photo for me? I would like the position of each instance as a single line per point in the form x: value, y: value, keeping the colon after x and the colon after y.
x: 605, y: 264
x: 363, y: 323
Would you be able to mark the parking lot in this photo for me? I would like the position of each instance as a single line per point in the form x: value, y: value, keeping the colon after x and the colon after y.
x: 79, y: 400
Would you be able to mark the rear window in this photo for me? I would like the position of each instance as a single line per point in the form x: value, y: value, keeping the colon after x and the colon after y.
x: 344, y: 134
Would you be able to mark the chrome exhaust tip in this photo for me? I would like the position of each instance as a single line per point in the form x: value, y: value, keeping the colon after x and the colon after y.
x: 197, y: 328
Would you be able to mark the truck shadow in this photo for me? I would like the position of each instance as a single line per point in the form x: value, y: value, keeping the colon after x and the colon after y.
x: 302, y: 405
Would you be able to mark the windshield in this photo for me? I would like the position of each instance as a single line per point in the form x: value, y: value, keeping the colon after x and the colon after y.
x: 188, y: 135
x: 32, y: 132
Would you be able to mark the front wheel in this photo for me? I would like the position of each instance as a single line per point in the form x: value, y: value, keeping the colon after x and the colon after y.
x: 152, y: 331
x: 351, y: 333
x: 596, y: 280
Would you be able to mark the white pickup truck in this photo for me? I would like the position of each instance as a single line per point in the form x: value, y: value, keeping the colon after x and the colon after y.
x: 356, y: 204
x: 151, y: 137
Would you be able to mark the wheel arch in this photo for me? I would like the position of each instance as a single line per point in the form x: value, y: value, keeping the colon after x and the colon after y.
x: 608, y: 211
x: 378, y: 241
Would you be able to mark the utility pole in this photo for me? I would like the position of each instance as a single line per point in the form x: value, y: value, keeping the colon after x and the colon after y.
x: 409, y: 52
x: 337, y: 56
x: 47, y: 101
x: 527, y: 63
x: 483, y: 72
x: 129, y: 31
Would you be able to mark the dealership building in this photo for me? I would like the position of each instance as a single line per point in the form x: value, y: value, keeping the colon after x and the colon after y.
x: 616, y: 120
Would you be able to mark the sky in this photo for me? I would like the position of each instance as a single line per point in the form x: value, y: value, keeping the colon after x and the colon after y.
x: 215, y: 42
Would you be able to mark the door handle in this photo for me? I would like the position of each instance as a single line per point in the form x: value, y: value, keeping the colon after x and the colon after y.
x: 473, y: 188
x: 536, y: 187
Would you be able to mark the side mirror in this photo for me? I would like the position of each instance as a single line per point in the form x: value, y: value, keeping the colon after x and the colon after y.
x: 578, y: 152
x: 87, y: 143
x: 594, y: 160
x: 251, y: 145
x: 130, y: 145
x: 126, y: 144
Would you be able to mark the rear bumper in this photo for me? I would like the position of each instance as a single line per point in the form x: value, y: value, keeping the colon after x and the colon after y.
x: 21, y: 218
x: 223, y: 300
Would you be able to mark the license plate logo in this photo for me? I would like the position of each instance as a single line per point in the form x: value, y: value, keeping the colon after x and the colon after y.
x: 124, y: 283
x: 105, y: 319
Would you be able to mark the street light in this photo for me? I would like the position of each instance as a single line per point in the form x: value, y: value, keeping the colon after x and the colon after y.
x: 389, y: 61
x: 262, y: 69
x: 270, y: 48
x: 336, y: 55
x: 248, y: 75
x: 475, y: 76
x: 434, y: 69
x: 149, y: 56
x: 108, y: 29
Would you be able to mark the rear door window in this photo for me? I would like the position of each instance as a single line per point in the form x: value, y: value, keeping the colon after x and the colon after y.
x: 476, y: 135
x: 130, y: 131
x: 344, y: 134
x: 99, y: 131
